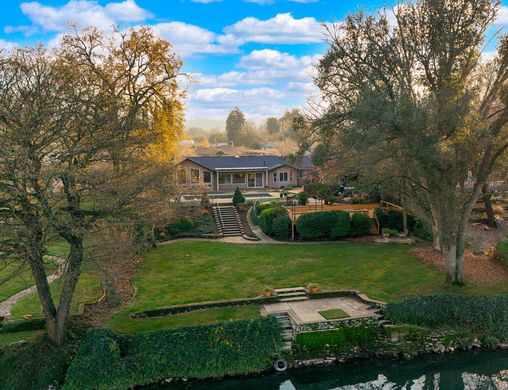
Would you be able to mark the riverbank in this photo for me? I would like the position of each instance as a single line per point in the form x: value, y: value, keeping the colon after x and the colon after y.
x: 458, y: 370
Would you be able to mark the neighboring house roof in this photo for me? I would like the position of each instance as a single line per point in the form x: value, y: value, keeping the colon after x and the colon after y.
x: 214, y: 163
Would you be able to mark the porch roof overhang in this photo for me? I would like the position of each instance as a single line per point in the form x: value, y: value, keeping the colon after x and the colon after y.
x: 243, y: 169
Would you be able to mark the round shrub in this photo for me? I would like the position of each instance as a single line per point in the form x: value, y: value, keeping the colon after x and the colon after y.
x: 502, y: 250
x: 341, y: 226
x: 422, y: 230
x: 323, y: 224
x: 360, y: 225
x: 281, y: 226
x: 303, y: 198
x: 180, y: 225
x: 267, y: 216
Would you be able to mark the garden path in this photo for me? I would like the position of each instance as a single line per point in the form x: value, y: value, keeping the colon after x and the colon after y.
x: 7, y: 305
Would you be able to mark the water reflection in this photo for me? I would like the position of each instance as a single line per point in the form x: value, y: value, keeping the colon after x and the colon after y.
x: 464, y: 370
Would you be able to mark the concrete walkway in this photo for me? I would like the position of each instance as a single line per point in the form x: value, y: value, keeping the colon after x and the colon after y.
x: 307, y: 312
x: 264, y: 239
x: 7, y: 305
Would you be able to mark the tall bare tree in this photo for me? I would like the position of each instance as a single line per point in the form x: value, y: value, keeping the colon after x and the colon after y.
x: 83, y: 130
x: 409, y: 92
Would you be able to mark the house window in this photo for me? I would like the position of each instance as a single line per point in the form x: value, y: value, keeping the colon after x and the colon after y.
x: 290, y: 175
x: 224, y: 178
x: 301, y: 173
x: 283, y: 176
x: 182, y: 176
x: 194, y: 173
x: 275, y: 177
x: 239, y: 178
x: 207, y: 177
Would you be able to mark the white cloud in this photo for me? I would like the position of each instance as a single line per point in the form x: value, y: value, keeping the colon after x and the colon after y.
x: 81, y: 12
x: 7, y: 45
x: 189, y: 39
x: 127, y: 11
x: 267, y: 83
x: 263, y: 67
x: 282, y: 28
x: 502, y: 16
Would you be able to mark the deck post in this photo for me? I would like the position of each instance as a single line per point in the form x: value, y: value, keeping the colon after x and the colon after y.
x: 293, y: 228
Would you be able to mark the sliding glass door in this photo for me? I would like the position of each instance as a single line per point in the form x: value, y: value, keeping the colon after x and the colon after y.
x: 255, y: 180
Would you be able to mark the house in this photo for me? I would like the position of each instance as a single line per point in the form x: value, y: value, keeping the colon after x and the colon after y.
x: 225, y: 173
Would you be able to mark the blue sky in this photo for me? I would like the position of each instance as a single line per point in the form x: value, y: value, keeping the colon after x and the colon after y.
x: 255, y: 54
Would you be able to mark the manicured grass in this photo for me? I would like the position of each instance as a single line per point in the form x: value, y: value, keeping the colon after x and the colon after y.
x: 88, y: 289
x: 194, y: 271
x: 9, y: 338
x: 22, y: 278
x: 124, y: 324
x: 334, y: 314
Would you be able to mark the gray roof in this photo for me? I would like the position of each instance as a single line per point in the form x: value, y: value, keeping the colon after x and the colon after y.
x: 249, y: 162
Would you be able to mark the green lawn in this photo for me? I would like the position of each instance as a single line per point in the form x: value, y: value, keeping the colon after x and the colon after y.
x: 192, y: 271
x: 23, y: 278
x: 201, y: 317
x: 334, y: 314
x: 88, y: 289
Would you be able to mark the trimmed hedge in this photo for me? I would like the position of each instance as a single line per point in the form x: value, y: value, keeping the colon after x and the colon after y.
x: 360, y: 225
x: 203, y: 224
x: 180, y: 225
x: 106, y: 360
x: 281, y: 226
x: 22, y: 325
x: 502, y: 249
x: 323, y: 224
x: 422, y: 230
x: 33, y: 365
x: 274, y: 221
x: 486, y: 316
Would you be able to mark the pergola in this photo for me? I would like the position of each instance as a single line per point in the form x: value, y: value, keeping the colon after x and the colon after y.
x: 368, y: 209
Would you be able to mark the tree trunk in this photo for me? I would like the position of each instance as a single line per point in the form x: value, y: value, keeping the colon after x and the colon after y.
x: 450, y: 253
x: 491, y: 219
x: 43, y: 290
x: 70, y: 279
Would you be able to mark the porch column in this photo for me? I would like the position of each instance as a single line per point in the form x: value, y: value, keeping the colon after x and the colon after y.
x: 218, y: 182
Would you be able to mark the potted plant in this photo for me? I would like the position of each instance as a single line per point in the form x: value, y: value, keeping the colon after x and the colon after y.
x: 313, y: 288
x: 267, y: 292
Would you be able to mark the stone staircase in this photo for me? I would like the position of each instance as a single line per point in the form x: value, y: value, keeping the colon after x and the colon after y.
x: 291, y: 294
x: 381, y: 321
x: 288, y: 333
x: 228, y: 221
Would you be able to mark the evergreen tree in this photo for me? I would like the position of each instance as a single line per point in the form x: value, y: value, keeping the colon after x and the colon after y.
x: 234, y: 125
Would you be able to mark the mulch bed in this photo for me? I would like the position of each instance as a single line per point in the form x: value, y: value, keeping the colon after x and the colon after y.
x: 243, y: 216
x: 478, y: 268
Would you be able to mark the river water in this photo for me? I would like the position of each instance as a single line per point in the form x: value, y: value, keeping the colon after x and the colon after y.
x: 461, y: 370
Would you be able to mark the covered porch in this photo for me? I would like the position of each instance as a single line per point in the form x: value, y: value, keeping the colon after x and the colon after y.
x: 229, y: 179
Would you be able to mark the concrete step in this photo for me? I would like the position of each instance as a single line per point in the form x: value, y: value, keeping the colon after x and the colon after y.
x: 289, y: 289
x: 294, y: 299
x: 292, y: 294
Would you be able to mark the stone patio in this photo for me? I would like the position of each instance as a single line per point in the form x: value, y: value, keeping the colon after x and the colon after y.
x: 307, y: 312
